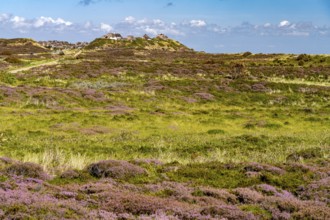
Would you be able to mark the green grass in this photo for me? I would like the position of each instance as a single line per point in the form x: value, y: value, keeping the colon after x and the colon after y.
x: 59, y: 120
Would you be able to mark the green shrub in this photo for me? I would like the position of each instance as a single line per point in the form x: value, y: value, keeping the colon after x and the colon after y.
x: 213, y: 174
x: 247, y: 54
x: 304, y: 57
x: 7, y: 78
x: 309, y: 153
x: 301, y: 63
x: 13, y: 60
x: 216, y: 131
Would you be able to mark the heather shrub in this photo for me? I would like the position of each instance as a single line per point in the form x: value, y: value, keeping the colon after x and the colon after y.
x: 256, y: 167
x: 247, y: 196
x: 317, y: 190
x: 21, y: 203
x: 227, y: 212
x: 6, y: 160
x: 258, y: 211
x: 266, y: 189
x: 204, y: 96
x: 309, y: 153
x: 291, y: 204
x: 28, y: 170
x: 6, y: 53
x: 219, y: 194
x: 12, y: 60
x: 70, y: 174
x: 312, y: 212
x: 138, y: 204
x: 115, y: 169
x: 259, y: 87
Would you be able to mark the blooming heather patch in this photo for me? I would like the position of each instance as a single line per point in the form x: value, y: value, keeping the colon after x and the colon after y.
x: 25, y: 194
x: 318, y: 190
x: 256, y: 167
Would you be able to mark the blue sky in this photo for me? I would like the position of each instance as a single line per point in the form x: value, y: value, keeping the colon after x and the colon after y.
x: 290, y: 26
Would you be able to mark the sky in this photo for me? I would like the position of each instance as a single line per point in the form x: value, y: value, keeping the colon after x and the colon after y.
x: 216, y: 26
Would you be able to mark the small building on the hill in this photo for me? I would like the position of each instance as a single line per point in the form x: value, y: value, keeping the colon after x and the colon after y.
x: 113, y: 36
x: 162, y: 36
x: 146, y: 37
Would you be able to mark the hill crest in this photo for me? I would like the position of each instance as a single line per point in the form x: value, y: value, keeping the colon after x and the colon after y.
x: 20, y: 46
x: 115, y: 40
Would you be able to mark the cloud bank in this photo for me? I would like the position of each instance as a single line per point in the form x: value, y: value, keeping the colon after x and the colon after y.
x: 197, y: 31
x: 133, y: 25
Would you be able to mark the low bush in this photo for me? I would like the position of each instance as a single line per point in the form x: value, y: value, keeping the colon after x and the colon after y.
x: 227, y: 212
x: 115, y: 169
x: 70, y: 174
x: 13, y: 60
x: 6, y: 53
x: 216, y: 131
x: 247, y: 54
x: 27, y: 169
x: 309, y: 153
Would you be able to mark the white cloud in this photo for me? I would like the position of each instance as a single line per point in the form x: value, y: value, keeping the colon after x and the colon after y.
x: 19, y: 22
x: 4, y: 17
x: 267, y: 25
x: 159, y: 22
x: 152, y: 27
x: 43, y: 21
x: 151, y: 31
x: 197, y: 23
x: 298, y: 33
x: 293, y: 26
x: 142, y: 21
x: 130, y: 20
x: 218, y: 29
x: 23, y: 25
x: 284, y: 23
x: 106, y: 27
x: 44, y: 25
x: 88, y: 25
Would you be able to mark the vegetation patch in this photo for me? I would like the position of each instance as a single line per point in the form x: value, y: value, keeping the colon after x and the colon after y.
x: 148, y: 129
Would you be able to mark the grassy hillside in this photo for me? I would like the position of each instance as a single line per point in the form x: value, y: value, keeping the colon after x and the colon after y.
x: 20, y: 46
x: 184, y: 135
x: 138, y: 43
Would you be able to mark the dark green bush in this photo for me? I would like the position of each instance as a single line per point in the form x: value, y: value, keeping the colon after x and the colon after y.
x: 216, y: 131
x: 13, y: 60
x: 246, y: 54
x: 309, y: 153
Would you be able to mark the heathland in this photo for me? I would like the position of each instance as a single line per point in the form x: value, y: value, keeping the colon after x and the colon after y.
x: 150, y: 129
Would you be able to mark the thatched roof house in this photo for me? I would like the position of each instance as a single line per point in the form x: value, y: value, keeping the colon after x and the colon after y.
x: 113, y: 36
x: 146, y: 37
